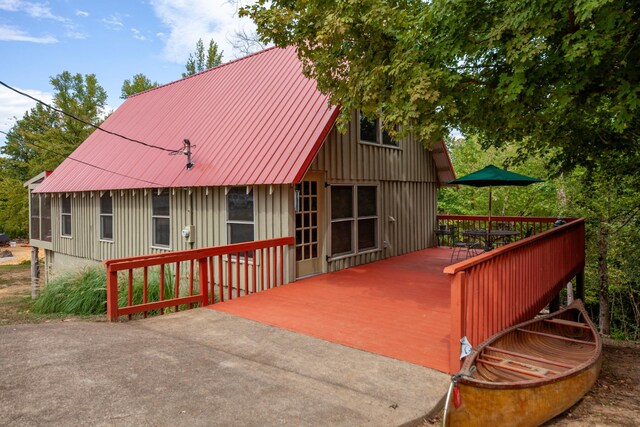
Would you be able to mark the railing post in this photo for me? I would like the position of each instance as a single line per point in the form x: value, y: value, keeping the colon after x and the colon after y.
x: 204, y: 282
x: 458, y: 307
x: 112, y: 294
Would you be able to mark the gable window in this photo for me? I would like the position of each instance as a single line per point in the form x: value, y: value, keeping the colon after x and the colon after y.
x: 161, y: 219
x: 354, y: 219
x: 372, y: 133
x: 65, y: 216
x: 106, y: 217
x: 240, y: 225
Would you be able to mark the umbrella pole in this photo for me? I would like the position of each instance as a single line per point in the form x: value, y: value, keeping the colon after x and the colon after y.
x: 488, y: 240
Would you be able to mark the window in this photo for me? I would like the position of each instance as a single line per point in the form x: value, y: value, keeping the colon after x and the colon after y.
x: 35, y: 216
x: 45, y: 217
x: 239, y: 215
x: 354, y: 219
x: 160, y: 218
x: 65, y: 214
x: 372, y: 133
x: 106, y: 217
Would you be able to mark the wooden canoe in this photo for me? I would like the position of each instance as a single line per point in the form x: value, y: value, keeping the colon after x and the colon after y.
x: 529, y: 373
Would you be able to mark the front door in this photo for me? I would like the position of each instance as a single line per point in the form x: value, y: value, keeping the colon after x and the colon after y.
x: 309, y: 220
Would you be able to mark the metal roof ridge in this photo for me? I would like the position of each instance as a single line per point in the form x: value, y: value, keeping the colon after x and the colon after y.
x: 217, y: 67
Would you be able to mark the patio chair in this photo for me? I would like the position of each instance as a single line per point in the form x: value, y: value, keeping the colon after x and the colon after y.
x: 472, y: 247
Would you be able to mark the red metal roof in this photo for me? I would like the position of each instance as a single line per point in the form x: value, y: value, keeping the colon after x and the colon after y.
x: 256, y: 120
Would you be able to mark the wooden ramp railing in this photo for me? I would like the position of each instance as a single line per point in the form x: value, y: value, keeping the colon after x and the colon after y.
x: 511, y: 284
x: 151, y: 284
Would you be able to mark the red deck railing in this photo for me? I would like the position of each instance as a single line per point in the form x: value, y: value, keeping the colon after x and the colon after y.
x: 511, y: 284
x: 197, y: 276
x: 524, y: 225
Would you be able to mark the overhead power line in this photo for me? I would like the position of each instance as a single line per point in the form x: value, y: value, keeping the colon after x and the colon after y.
x: 84, y: 121
x: 86, y: 163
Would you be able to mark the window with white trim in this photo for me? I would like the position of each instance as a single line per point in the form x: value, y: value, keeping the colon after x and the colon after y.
x: 372, y: 133
x: 354, y: 219
x: 161, y: 219
x: 240, y: 223
x: 65, y: 216
x: 106, y: 217
x: 35, y: 216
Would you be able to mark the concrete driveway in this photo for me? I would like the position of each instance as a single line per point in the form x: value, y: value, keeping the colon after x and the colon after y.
x: 202, y: 367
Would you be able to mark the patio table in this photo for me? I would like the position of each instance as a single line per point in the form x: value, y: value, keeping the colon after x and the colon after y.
x: 490, y: 236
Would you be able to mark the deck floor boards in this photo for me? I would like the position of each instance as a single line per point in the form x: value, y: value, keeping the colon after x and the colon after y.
x: 398, y: 307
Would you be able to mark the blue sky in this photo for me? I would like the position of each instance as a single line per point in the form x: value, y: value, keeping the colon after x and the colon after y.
x: 112, y: 39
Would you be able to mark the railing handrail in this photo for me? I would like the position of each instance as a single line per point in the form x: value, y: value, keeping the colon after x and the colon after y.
x: 119, y: 264
x: 204, y: 260
x: 512, y: 283
x: 544, y: 219
x: 486, y: 256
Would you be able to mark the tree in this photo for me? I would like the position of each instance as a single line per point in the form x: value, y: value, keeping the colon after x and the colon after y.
x: 139, y: 83
x: 43, y: 138
x: 245, y: 43
x: 560, y: 78
x: 558, y: 75
x: 199, y: 60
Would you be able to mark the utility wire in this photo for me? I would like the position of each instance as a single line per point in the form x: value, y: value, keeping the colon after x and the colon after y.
x: 83, y: 121
x: 85, y: 163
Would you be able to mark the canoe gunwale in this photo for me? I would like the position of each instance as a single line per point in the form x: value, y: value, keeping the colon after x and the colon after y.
x: 464, y: 378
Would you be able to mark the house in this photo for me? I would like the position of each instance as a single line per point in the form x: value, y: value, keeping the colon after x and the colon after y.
x: 263, y: 160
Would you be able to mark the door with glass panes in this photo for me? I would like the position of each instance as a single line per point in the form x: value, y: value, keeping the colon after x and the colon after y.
x: 309, y: 207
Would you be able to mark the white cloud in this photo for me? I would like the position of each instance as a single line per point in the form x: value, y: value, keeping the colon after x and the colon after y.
x: 190, y: 20
x: 13, y: 105
x: 137, y: 35
x: 41, y: 10
x: 113, y: 22
x: 10, y: 5
x: 8, y: 33
x: 82, y: 13
x: 73, y: 32
x: 33, y: 9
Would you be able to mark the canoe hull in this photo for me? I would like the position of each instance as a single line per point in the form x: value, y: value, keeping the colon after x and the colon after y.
x: 524, y: 407
x: 529, y: 373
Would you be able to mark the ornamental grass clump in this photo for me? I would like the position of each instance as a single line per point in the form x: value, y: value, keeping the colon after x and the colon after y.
x: 84, y: 293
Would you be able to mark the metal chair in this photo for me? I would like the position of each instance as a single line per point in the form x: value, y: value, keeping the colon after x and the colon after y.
x: 472, y: 247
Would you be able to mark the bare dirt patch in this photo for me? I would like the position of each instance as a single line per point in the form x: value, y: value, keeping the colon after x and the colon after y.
x: 16, y: 302
x: 21, y: 253
x: 615, y: 398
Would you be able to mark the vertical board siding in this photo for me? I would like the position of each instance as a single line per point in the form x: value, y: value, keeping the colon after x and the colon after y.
x: 132, y: 224
x: 408, y: 185
x: 343, y: 157
x: 406, y: 178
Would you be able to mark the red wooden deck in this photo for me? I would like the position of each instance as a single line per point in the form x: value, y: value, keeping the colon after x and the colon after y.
x: 398, y: 307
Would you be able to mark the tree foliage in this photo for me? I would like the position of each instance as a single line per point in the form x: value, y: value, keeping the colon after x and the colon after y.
x: 139, y: 83
x: 200, y: 60
x: 559, y: 76
x: 42, y: 139
x: 609, y: 206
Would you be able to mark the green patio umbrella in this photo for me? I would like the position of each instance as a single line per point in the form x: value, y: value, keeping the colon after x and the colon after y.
x: 491, y: 176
